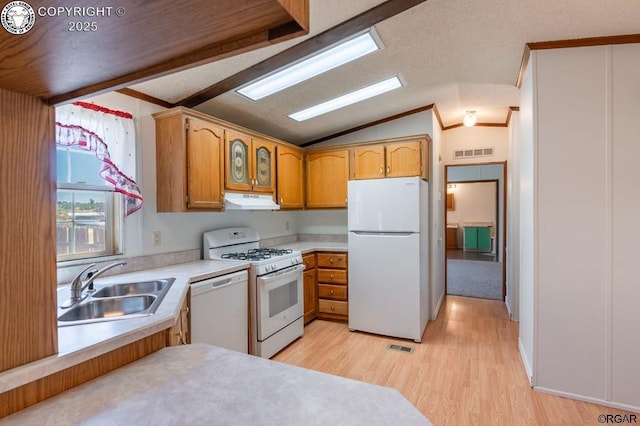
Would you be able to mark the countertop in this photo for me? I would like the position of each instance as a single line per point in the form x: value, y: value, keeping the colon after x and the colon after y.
x: 204, y: 385
x: 79, y: 343
x: 311, y: 246
x: 477, y: 224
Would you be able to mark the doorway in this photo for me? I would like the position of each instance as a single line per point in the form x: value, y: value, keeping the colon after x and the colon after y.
x: 475, y: 218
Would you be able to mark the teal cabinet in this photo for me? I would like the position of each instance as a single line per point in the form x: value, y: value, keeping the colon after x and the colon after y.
x: 477, y: 238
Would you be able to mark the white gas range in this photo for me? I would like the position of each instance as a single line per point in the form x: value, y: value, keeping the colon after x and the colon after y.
x: 275, y: 286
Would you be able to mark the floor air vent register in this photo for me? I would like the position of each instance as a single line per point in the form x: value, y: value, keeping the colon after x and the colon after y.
x: 400, y: 348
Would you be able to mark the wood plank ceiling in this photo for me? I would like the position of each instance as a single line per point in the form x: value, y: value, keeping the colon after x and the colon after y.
x: 62, y: 57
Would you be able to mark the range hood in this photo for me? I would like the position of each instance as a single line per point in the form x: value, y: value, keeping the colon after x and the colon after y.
x: 237, y: 201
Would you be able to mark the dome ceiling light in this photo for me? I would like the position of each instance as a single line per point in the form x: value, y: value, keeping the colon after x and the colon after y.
x: 470, y: 119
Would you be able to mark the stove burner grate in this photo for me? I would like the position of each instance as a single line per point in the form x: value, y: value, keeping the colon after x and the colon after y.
x: 257, y: 254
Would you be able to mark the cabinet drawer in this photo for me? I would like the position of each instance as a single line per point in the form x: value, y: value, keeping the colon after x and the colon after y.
x: 309, y: 261
x: 332, y: 260
x: 334, y: 292
x: 331, y: 276
x: 333, y: 307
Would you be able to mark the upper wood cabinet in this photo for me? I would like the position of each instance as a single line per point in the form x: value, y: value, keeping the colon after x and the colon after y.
x: 189, y: 172
x: 327, y: 177
x: 402, y: 158
x: 250, y: 163
x: 369, y: 162
x: 289, y: 168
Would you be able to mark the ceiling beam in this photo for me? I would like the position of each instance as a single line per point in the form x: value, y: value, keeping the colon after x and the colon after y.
x: 147, y: 98
x: 352, y: 26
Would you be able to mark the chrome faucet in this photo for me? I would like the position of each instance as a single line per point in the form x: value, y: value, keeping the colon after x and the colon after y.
x: 77, y: 287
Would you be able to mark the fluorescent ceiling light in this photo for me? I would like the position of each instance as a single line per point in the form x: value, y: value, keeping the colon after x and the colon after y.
x: 326, y: 60
x: 348, y: 99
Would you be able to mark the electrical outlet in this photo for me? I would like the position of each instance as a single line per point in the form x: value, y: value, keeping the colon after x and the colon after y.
x: 286, y: 226
x: 157, y: 238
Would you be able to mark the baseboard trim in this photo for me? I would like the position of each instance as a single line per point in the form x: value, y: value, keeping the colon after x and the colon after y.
x: 525, y: 361
x: 612, y: 404
x: 436, y: 310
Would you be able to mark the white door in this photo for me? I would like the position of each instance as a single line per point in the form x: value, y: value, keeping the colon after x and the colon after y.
x: 385, y: 284
x: 384, y: 205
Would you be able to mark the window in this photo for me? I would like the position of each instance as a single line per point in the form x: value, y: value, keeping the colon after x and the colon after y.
x: 96, y: 162
x: 88, y: 211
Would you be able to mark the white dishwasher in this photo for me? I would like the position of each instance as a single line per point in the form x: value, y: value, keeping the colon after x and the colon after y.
x: 219, y: 312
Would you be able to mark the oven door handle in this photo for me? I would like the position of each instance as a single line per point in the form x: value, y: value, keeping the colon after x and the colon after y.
x: 278, y: 274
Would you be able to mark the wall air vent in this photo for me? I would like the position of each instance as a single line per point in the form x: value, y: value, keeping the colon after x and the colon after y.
x: 472, y: 153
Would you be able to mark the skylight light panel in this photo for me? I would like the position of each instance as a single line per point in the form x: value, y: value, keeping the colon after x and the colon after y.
x: 318, y: 63
x: 348, y: 99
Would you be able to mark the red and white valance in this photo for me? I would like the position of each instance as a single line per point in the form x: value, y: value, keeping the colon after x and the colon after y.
x: 111, y: 136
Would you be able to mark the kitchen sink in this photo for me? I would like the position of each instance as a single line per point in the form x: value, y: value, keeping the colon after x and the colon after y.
x: 109, y: 308
x: 117, y: 302
x: 128, y: 289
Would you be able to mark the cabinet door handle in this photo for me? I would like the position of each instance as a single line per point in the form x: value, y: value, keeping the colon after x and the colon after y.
x: 388, y: 169
x: 331, y: 277
x: 381, y: 170
x: 330, y: 291
x: 331, y: 260
x: 281, y: 200
x: 333, y: 308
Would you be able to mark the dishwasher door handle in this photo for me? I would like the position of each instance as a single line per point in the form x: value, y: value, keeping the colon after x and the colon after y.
x: 220, y: 283
x: 217, y: 283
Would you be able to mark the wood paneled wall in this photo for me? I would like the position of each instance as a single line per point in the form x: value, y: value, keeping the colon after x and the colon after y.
x: 27, y: 230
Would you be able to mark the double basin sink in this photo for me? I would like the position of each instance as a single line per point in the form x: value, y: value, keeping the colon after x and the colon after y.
x: 117, y: 301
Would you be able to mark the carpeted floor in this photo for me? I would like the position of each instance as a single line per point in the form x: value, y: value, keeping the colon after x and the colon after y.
x: 474, y: 278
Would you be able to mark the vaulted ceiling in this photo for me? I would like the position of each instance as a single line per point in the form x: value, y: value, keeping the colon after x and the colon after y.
x: 459, y: 54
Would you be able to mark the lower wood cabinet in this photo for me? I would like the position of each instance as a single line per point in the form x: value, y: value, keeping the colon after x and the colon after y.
x: 179, y: 333
x: 452, y: 238
x: 332, y: 286
x: 310, y: 298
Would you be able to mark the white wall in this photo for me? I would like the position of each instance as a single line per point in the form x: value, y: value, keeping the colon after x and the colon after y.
x: 526, y: 223
x: 624, y: 199
x: 415, y: 124
x: 571, y: 218
x: 332, y: 222
x: 179, y: 231
x: 512, y: 249
x: 460, y: 138
x: 585, y: 209
x: 437, y: 246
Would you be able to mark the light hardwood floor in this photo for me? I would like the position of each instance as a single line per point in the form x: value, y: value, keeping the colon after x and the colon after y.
x: 466, y: 371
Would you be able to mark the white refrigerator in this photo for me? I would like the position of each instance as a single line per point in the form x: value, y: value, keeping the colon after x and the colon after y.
x: 388, y: 256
